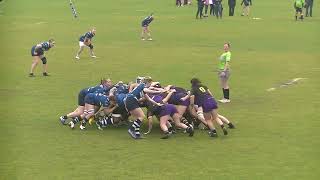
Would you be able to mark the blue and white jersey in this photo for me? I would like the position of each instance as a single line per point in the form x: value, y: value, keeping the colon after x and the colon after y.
x: 96, y: 89
x: 101, y: 100
x: 147, y: 21
x: 120, y: 100
x: 45, y: 46
x: 88, y: 35
x: 122, y: 88
x: 138, y: 91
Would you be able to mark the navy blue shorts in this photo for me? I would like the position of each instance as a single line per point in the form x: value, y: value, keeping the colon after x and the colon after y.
x: 298, y: 10
x: 81, y: 96
x: 89, y: 99
x: 131, y: 103
x: 39, y: 51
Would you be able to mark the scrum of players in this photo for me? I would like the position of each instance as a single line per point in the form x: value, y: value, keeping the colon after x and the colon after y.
x: 175, y: 107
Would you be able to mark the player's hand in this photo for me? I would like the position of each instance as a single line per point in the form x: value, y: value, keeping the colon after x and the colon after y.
x: 159, y: 104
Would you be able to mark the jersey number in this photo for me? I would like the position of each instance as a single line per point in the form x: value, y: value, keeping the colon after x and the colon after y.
x: 202, y: 89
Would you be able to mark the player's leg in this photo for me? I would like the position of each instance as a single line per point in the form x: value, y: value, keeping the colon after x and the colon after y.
x: 177, y: 121
x: 310, y: 8
x: 226, y: 121
x: 214, y: 115
x: 34, y: 64
x: 163, y: 126
x: 91, y: 51
x: 148, y: 33
x: 44, y: 65
x: 200, y: 115
x: 138, y: 114
x: 81, y: 47
x: 89, y: 110
x: 248, y: 10
x: 301, y: 14
x: 212, y: 129
x: 142, y: 33
x: 297, y: 13
x: 223, y: 77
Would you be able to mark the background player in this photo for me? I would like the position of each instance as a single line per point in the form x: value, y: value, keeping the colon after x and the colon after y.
x: 145, y: 27
x: 37, y: 52
x: 85, y: 40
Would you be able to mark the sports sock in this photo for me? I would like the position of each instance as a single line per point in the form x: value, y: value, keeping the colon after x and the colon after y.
x: 224, y: 92
x: 227, y: 93
x: 136, y: 125
x: 185, y: 121
x: 76, y: 120
x: 106, y: 121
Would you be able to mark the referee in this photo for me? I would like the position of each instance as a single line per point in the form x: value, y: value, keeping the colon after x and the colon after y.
x: 224, y: 72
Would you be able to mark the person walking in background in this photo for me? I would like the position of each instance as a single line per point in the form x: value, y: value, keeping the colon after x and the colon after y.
x: 218, y: 8
x: 298, y: 5
x: 206, y: 6
x: 211, y: 3
x: 309, y: 6
x: 200, y: 9
x: 232, y: 5
x: 246, y: 7
x: 178, y: 3
x: 224, y: 72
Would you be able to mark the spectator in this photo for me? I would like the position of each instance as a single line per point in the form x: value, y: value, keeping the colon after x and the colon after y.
x: 206, y: 5
x: 211, y: 3
x: 232, y: 5
x: 309, y: 5
x: 200, y: 9
x: 178, y: 3
x: 218, y: 8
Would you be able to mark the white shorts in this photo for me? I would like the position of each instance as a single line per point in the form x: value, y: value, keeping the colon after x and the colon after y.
x: 81, y: 44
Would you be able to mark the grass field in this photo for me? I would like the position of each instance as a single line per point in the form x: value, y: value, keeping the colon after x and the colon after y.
x: 277, y: 135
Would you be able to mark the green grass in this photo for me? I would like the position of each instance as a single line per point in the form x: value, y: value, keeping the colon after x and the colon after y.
x: 277, y: 132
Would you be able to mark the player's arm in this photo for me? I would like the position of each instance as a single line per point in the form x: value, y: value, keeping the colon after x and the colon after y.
x: 132, y: 86
x: 166, y: 99
x: 152, y: 101
x: 209, y: 92
x: 186, y: 97
x: 147, y: 90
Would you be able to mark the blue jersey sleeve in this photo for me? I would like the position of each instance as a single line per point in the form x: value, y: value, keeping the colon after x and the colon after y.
x: 45, y: 46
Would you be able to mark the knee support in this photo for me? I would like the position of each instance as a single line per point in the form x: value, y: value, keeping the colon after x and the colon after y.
x: 200, y: 115
x: 90, y: 46
x: 44, y: 60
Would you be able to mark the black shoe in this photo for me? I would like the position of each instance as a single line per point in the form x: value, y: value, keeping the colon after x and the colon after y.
x: 45, y: 74
x: 190, y: 131
x: 31, y: 75
x: 213, y: 134
x: 225, y: 132
x: 231, y: 126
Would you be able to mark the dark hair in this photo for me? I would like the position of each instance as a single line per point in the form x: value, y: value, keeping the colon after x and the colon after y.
x: 195, y: 81
x: 228, y: 44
